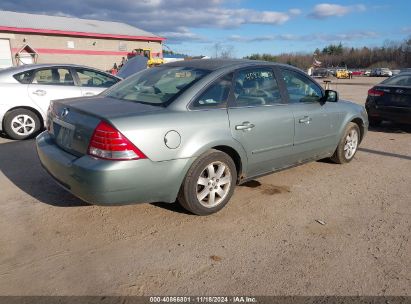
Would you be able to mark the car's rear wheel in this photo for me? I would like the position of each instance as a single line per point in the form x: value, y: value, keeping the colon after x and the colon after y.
x: 347, y: 147
x: 21, y: 124
x: 209, y: 183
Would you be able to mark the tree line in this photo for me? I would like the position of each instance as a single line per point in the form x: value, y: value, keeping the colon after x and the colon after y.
x: 392, y: 54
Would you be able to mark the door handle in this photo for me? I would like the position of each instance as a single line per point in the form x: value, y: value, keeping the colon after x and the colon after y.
x: 246, y: 126
x: 89, y: 94
x: 40, y: 92
x: 305, y: 119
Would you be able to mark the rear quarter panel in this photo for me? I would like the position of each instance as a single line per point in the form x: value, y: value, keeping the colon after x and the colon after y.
x: 198, y: 130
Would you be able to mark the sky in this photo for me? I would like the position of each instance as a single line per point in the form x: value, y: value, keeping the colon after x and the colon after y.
x: 244, y: 27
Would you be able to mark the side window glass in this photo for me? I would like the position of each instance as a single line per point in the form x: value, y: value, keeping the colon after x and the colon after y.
x: 24, y: 77
x: 256, y: 87
x: 90, y: 78
x: 300, y: 88
x: 53, y: 76
x: 216, y: 95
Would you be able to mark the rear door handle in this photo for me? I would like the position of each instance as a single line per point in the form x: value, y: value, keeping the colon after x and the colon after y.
x: 245, y: 126
x: 89, y: 94
x: 40, y: 92
x: 305, y: 119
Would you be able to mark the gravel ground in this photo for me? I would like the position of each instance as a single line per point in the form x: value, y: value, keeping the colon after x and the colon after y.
x: 267, y: 241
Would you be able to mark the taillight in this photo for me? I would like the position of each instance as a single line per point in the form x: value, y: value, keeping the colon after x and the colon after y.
x: 109, y: 143
x: 375, y: 93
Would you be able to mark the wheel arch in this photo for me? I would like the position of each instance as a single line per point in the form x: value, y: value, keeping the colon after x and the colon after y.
x: 235, y: 156
x: 360, y: 123
x: 231, y: 148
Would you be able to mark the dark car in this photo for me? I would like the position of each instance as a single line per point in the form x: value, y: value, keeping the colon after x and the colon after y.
x: 320, y: 73
x: 390, y: 100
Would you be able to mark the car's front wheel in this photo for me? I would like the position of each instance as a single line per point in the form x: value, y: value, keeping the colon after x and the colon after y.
x: 21, y: 124
x: 209, y: 183
x: 348, y: 144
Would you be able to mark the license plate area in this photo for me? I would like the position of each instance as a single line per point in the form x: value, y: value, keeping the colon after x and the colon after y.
x: 63, y: 133
x: 399, y: 99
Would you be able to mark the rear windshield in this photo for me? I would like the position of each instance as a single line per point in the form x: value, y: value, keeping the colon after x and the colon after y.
x: 157, y: 86
x: 400, y: 80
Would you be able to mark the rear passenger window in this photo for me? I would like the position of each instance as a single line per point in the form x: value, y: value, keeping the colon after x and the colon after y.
x: 53, y: 76
x: 256, y: 87
x: 216, y: 95
x: 24, y: 77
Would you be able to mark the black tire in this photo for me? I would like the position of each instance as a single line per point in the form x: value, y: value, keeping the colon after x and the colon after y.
x: 29, y: 132
x: 339, y: 156
x: 187, y: 196
x: 374, y: 122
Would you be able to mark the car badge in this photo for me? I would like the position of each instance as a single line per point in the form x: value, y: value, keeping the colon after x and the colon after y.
x: 399, y: 91
x: 64, y: 112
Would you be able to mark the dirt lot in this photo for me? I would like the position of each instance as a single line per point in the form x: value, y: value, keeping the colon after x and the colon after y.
x: 265, y: 242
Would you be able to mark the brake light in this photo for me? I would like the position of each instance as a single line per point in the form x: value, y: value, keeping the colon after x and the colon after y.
x: 109, y: 143
x: 375, y: 93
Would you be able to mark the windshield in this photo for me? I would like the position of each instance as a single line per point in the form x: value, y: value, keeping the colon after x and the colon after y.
x: 157, y: 86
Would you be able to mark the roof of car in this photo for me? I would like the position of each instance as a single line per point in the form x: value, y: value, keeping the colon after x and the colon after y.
x: 215, y: 64
x: 26, y: 67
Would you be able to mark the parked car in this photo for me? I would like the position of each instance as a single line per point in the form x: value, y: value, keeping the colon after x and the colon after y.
x: 26, y: 92
x: 320, y: 73
x: 390, y: 100
x: 381, y: 72
x: 192, y: 130
x: 367, y: 73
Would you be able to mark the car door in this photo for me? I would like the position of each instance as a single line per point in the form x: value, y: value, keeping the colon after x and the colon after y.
x: 93, y: 82
x: 315, y: 122
x: 52, y: 83
x: 261, y: 120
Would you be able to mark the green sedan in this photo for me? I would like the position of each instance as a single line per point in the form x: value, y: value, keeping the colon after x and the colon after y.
x: 190, y: 131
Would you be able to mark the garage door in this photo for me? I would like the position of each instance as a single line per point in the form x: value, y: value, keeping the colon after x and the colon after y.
x: 5, y: 54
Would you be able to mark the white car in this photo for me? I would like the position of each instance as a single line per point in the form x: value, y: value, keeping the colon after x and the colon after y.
x: 26, y: 91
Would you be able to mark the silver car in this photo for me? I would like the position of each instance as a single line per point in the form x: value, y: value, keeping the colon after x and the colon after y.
x: 26, y: 92
x: 192, y: 130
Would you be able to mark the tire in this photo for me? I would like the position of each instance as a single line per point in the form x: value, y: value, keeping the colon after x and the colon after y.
x: 195, y: 195
x: 348, y: 145
x: 374, y: 122
x: 21, y: 124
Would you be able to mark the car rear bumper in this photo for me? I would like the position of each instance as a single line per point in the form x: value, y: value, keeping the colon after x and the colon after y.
x: 395, y: 114
x: 105, y: 182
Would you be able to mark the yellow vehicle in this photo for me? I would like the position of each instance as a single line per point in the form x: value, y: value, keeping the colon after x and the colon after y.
x: 152, y: 61
x: 342, y: 73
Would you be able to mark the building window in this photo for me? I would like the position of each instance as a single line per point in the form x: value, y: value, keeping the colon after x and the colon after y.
x: 122, y: 46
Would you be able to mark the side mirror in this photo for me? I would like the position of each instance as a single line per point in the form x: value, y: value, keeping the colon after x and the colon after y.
x: 330, y: 96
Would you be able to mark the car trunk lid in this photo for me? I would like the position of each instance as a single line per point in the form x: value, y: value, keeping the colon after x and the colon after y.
x: 395, y: 96
x: 71, y: 122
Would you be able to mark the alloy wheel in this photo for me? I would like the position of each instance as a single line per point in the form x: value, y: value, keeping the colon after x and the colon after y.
x: 351, y: 144
x: 214, y: 184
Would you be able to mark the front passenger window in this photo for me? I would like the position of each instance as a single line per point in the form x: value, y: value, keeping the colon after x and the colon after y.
x: 300, y: 88
x: 94, y: 79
